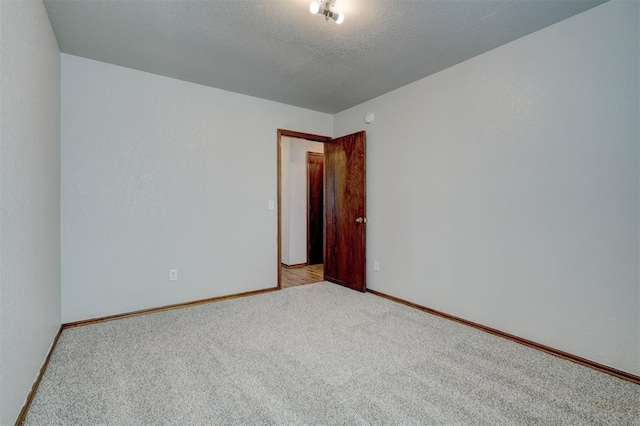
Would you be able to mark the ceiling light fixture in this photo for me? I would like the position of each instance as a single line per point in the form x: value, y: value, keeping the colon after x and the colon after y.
x: 324, y: 8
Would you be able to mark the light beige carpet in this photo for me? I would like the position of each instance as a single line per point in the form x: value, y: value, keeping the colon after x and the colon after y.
x: 316, y: 354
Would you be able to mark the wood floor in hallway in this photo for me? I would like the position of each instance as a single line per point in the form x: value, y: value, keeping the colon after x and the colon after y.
x: 292, y: 277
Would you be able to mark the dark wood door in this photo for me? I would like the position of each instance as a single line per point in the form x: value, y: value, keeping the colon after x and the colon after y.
x: 345, y: 215
x: 315, y: 208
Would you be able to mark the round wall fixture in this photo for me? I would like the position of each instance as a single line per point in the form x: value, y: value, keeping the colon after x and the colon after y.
x: 369, y: 117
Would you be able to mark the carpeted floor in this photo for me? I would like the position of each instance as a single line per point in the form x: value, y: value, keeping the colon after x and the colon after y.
x: 316, y: 354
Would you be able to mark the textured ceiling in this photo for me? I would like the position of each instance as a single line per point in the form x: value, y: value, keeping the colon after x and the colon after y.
x: 277, y: 50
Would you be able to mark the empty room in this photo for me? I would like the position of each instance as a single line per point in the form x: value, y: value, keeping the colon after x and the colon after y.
x: 419, y: 212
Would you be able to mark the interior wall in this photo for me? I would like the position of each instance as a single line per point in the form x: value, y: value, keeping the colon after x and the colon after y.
x: 161, y: 174
x: 504, y: 190
x: 296, y: 200
x: 285, y: 159
x: 29, y: 198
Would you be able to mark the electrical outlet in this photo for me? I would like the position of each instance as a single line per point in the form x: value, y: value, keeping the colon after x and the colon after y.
x: 376, y: 265
x: 173, y: 275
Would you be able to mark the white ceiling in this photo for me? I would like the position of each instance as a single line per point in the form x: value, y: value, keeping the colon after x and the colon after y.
x: 277, y: 50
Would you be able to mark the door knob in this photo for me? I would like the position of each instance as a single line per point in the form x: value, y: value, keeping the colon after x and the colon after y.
x: 361, y: 220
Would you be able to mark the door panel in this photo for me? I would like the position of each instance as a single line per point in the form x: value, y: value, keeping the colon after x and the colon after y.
x: 315, y: 208
x: 345, y: 215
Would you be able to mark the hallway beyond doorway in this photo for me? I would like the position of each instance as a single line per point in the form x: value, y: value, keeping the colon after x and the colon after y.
x: 292, y: 277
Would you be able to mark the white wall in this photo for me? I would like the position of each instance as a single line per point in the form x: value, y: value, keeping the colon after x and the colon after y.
x: 285, y: 159
x: 294, y: 198
x: 504, y: 190
x: 159, y: 173
x: 29, y: 198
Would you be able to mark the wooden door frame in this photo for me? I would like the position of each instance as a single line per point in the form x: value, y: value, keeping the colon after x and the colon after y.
x: 309, y: 155
x: 291, y: 134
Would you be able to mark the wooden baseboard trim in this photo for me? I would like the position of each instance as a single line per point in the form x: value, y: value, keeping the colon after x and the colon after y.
x: 552, y: 351
x: 297, y: 265
x: 165, y: 308
x: 36, y: 384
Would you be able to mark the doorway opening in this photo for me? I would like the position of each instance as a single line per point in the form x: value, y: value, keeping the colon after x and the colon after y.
x: 301, y: 208
x: 344, y: 203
